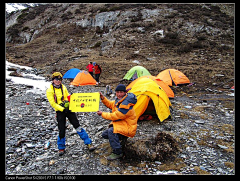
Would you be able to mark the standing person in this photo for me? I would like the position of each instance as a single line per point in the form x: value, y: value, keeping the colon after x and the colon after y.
x: 98, y: 71
x: 90, y: 68
x: 123, y: 119
x: 57, y: 96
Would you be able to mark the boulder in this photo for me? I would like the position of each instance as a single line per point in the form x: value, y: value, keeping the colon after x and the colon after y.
x: 15, y: 74
x: 162, y: 147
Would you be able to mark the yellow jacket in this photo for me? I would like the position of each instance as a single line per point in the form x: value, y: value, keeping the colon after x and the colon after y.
x: 123, y: 115
x: 58, y: 92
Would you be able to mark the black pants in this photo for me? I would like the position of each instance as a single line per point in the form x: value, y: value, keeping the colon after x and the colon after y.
x: 61, y: 119
x: 97, y: 77
x: 91, y: 73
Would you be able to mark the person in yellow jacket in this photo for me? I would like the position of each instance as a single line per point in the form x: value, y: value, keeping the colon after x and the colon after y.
x: 123, y: 119
x: 57, y: 96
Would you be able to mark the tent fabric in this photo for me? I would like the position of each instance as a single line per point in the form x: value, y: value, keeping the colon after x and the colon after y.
x: 83, y: 78
x: 164, y: 86
x: 139, y: 70
x: 173, y: 76
x: 71, y: 73
x: 146, y: 89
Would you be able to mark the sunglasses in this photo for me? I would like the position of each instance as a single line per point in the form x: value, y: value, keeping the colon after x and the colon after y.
x: 56, y: 78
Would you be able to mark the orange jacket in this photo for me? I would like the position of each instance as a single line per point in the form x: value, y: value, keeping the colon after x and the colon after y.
x: 123, y: 116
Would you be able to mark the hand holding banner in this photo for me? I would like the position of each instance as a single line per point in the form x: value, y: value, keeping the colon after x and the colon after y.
x: 84, y: 102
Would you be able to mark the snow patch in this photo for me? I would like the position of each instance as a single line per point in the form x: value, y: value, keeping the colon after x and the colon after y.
x: 10, y: 7
x: 39, y: 83
x: 13, y: 7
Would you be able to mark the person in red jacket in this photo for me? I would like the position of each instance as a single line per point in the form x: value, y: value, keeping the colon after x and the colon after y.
x: 98, y: 71
x: 90, y: 68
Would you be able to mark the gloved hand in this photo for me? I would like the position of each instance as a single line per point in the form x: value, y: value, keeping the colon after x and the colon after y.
x: 65, y: 104
x: 66, y: 111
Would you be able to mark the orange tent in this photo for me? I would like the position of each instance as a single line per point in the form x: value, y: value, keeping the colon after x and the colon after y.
x: 164, y: 86
x: 173, y: 77
x: 83, y: 78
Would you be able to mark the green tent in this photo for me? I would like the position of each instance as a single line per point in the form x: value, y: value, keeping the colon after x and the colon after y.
x: 135, y: 72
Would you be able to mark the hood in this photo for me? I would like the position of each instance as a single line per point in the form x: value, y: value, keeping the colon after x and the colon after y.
x: 131, y: 98
x: 128, y: 98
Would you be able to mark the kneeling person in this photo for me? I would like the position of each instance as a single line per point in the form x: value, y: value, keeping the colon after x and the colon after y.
x: 123, y: 119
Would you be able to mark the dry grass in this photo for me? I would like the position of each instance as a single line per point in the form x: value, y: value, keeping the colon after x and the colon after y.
x: 53, y: 49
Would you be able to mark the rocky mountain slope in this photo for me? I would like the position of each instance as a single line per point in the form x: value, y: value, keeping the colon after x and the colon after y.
x: 197, y: 39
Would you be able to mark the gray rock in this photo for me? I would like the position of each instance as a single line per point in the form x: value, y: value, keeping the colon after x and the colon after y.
x: 199, y: 121
x: 223, y: 147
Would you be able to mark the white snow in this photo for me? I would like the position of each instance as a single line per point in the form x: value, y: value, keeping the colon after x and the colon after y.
x: 39, y: 83
x: 13, y: 7
x: 18, y: 6
x: 9, y: 64
x: 159, y: 32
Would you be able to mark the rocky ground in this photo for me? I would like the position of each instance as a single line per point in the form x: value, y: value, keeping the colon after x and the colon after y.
x: 202, y: 129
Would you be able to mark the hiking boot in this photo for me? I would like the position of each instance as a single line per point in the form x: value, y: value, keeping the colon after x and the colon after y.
x: 114, y: 156
x: 91, y: 147
x: 61, y: 152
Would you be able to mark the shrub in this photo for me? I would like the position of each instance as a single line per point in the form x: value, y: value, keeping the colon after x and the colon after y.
x: 201, y: 38
x: 170, y: 39
x: 66, y: 16
x: 62, y: 40
x: 137, y: 18
x: 25, y: 28
x: 22, y: 16
x: 98, y: 44
x: 188, y: 47
x: 185, y: 49
x: 103, y: 9
x: 172, y: 35
x: 77, y: 11
x: 13, y: 31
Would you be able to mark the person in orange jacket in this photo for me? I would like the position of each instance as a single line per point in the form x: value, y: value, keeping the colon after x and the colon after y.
x: 123, y: 119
